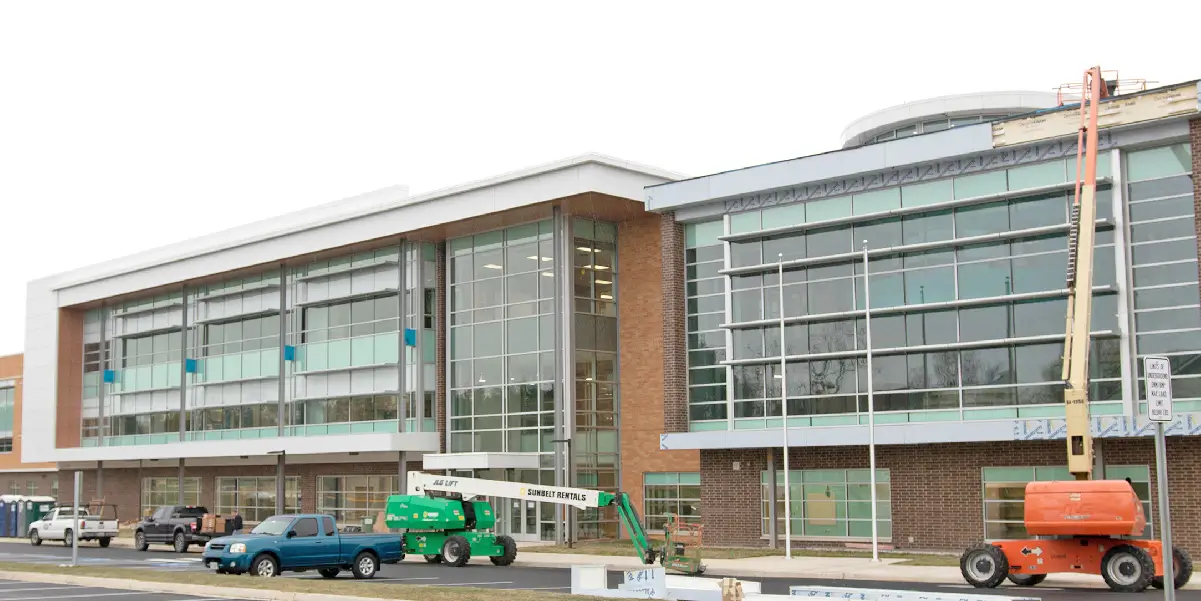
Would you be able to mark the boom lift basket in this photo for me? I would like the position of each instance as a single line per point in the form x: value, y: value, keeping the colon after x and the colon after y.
x: 682, y: 546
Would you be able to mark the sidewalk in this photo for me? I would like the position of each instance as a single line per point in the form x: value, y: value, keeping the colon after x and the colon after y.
x: 820, y: 568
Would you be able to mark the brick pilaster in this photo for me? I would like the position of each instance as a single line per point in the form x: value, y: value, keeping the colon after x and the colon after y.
x: 675, y: 341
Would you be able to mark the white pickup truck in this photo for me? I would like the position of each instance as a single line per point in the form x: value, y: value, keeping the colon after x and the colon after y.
x: 59, y: 525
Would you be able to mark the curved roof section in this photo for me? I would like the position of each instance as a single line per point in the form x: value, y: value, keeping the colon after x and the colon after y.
x: 985, y: 104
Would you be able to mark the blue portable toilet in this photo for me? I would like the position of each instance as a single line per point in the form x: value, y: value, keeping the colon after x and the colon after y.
x: 10, y: 509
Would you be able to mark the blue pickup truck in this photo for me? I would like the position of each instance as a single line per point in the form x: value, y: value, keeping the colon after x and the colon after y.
x: 298, y: 543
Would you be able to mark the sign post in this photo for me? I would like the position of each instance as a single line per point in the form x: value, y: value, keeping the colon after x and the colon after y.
x: 1158, y: 374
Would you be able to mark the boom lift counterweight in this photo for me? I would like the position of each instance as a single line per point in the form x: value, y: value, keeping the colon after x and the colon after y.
x: 1081, y: 526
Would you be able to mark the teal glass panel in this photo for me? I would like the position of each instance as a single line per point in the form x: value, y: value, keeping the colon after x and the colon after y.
x: 252, y: 365
x: 173, y: 374
x: 338, y: 429
x: 232, y: 366
x: 920, y: 195
x: 1159, y: 162
x: 702, y: 234
x: 745, y: 222
x: 428, y: 351
x: 362, y: 428
x: 877, y: 201
x: 784, y: 216
x: 158, y: 376
x: 145, y: 377
x: 269, y: 362
x: 316, y: 356
x: 339, y: 354
x: 981, y: 184
x: 934, y: 285
x: 712, y: 426
x: 1104, y: 166
x: 1034, y: 176
x: 980, y: 280
x: 827, y: 209
x: 387, y: 348
x: 362, y: 351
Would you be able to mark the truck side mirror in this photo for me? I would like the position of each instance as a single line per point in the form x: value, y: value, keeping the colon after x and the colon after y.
x: 291, y: 534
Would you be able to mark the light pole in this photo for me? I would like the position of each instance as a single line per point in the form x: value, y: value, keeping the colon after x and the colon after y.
x: 567, y: 515
x: 784, y: 415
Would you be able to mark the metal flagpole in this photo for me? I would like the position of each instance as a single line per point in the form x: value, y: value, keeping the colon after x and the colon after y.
x: 784, y: 414
x: 871, y: 410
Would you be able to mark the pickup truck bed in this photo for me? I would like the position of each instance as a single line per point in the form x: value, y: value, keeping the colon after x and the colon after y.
x: 299, y: 543
x: 59, y: 525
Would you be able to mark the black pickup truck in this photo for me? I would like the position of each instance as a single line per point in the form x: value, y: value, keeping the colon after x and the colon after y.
x: 175, y: 525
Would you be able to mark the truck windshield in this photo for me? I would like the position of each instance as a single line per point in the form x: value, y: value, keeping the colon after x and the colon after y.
x: 272, y: 526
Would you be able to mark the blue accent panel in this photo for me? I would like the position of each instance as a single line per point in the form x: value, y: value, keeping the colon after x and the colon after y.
x: 410, y: 337
x: 289, y: 353
x: 190, y: 366
x: 110, y: 376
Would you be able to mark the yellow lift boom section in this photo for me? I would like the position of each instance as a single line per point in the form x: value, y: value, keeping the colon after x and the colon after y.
x: 1080, y: 281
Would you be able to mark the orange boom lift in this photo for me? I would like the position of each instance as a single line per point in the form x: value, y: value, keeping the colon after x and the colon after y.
x: 1081, y: 526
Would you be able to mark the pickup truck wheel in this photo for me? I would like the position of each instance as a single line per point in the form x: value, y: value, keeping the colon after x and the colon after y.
x: 329, y: 572
x: 264, y: 566
x: 365, y: 566
x: 34, y: 539
x: 181, y: 543
x: 433, y: 558
x: 104, y: 541
x: 456, y: 551
x: 68, y: 538
x: 139, y: 541
x: 509, y: 553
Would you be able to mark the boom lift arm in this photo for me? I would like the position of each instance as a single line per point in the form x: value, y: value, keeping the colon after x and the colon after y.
x: 1083, y: 222
x: 581, y: 498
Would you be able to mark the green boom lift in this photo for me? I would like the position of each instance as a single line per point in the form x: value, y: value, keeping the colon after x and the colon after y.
x: 441, y: 522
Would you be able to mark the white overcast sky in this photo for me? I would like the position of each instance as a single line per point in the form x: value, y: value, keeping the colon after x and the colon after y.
x: 129, y: 125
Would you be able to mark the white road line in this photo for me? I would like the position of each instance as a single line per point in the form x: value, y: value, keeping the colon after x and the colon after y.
x: 472, y: 583
x: 32, y: 588
x: 539, y: 588
x: 78, y: 596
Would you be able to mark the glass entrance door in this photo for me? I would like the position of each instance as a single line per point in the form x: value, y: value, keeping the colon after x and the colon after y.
x: 522, y: 519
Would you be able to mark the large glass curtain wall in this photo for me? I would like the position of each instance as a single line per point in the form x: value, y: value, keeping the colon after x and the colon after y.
x: 594, y: 449
x: 1167, y: 321
x: 341, y: 316
x: 967, y: 297
x: 502, y: 353
x: 502, y: 343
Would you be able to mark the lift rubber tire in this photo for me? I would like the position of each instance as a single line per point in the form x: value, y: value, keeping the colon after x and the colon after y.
x: 104, y: 541
x: 984, y: 566
x: 1027, y: 579
x: 180, y: 542
x: 329, y: 572
x: 264, y: 566
x: 68, y: 538
x: 1127, y: 569
x: 366, y: 566
x: 1182, y: 564
x: 456, y: 551
x: 34, y: 539
x: 139, y: 541
x: 510, y: 551
x: 433, y: 558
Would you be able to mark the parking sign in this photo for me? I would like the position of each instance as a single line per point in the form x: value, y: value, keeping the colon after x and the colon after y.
x: 1158, y: 373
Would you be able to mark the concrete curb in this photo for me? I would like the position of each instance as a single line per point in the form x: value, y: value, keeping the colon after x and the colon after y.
x: 179, y: 589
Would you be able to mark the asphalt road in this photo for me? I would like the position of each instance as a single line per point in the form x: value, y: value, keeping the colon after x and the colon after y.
x: 13, y: 590
x: 515, y: 577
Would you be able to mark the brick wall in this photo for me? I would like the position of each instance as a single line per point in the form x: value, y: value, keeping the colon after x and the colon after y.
x: 122, y: 486
x: 641, y: 308
x: 70, y: 378
x: 936, y: 489
x: 675, y: 341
